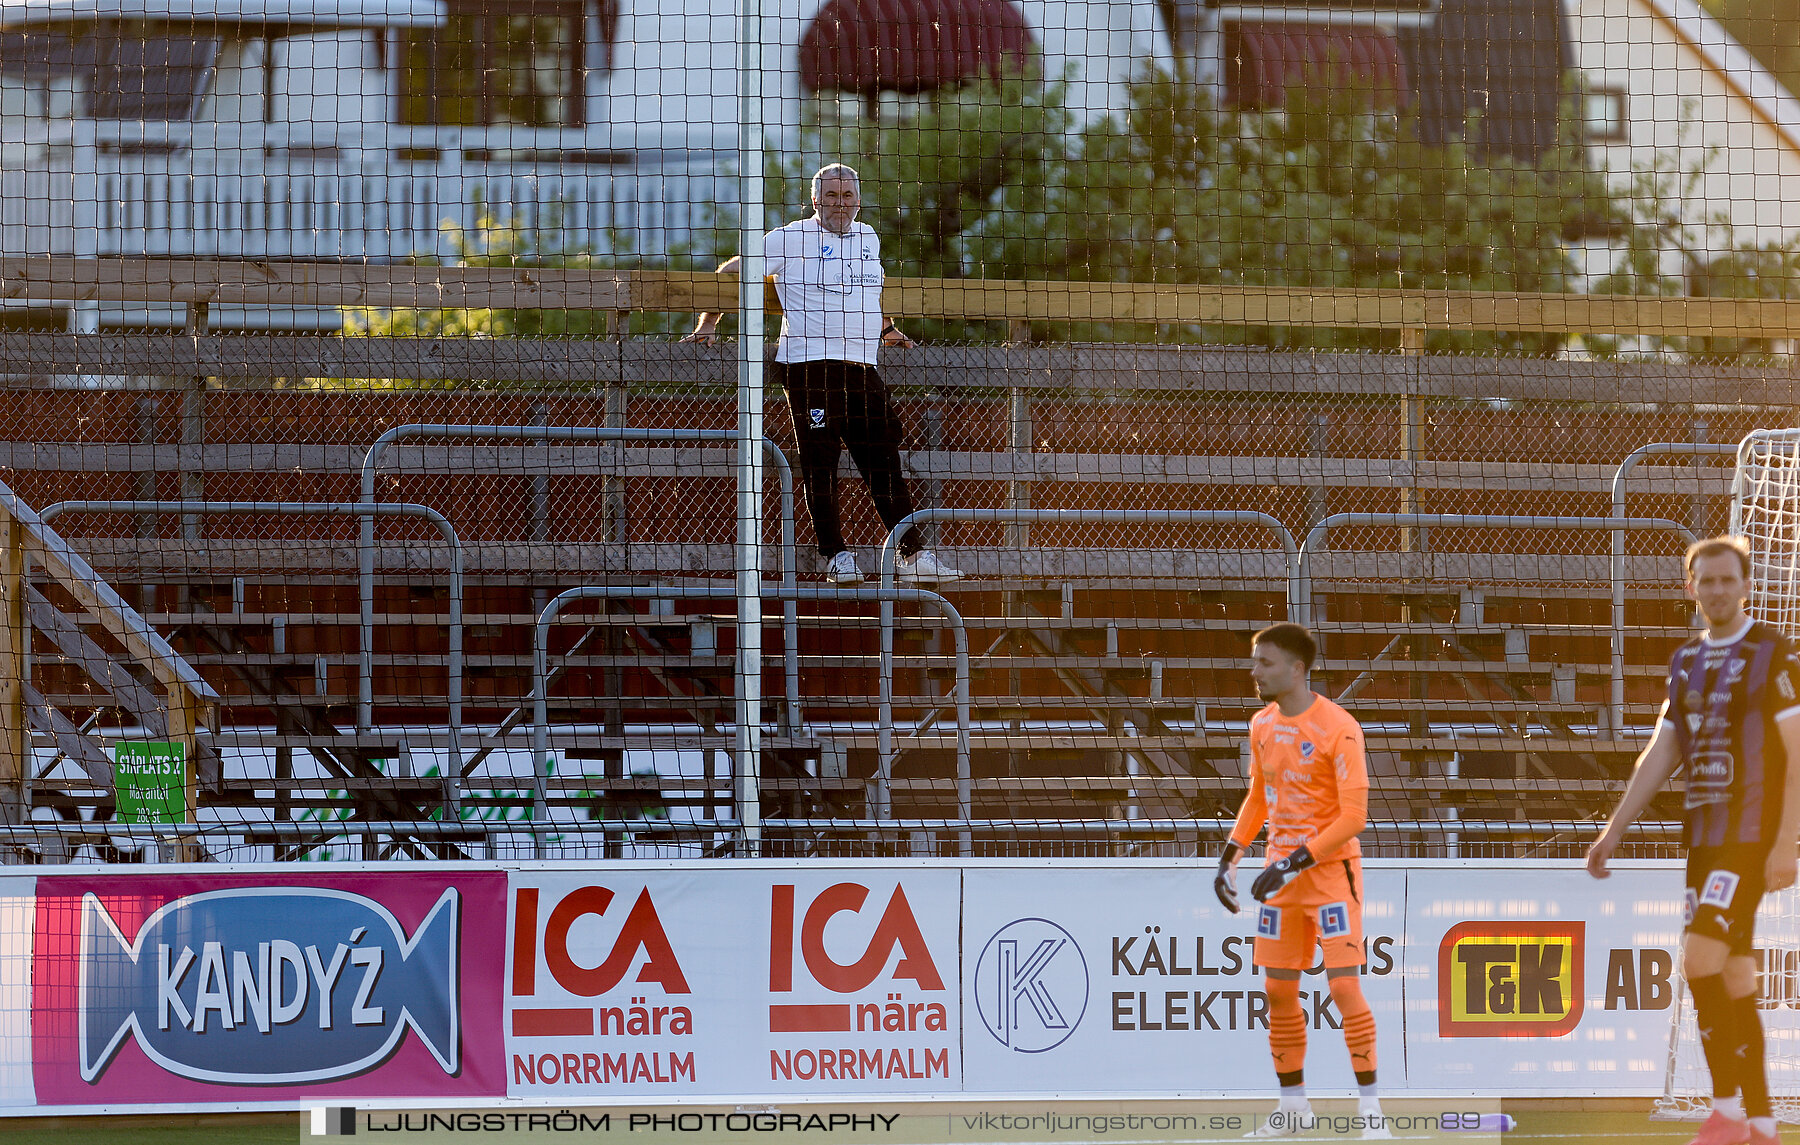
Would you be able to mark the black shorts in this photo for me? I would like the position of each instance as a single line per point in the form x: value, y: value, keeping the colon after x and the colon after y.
x: 1724, y: 884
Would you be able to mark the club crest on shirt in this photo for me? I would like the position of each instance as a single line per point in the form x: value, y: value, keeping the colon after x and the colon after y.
x: 1306, y: 749
x: 1734, y: 670
x: 818, y: 418
x: 1721, y: 888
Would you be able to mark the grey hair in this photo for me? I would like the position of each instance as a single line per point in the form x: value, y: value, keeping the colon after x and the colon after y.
x: 835, y: 171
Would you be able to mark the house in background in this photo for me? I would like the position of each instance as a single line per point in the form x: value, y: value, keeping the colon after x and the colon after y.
x: 1649, y: 81
x: 353, y: 129
x: 1663, y: 78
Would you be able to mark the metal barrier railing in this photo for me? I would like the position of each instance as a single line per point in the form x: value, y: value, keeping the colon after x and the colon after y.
x: 1669, y: 829
x: 790, y: 622
x: 365, y: 658
x: 748, y: 767
x: 1017, y: 516
x: 1617, y: 525
x: 1616, y: 694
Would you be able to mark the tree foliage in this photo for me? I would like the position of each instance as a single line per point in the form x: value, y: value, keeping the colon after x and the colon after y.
x: 994, y: 180
x: 989, y: 181
x: 1672, y: 245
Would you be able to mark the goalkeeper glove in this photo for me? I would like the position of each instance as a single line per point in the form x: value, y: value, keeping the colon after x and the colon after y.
x: 1225, y: 882
x: 1279, y: 874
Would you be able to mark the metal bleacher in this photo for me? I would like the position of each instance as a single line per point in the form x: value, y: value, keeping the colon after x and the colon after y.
x: 1107, y: 677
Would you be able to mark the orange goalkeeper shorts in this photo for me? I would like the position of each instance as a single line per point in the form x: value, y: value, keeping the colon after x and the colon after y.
x: 1321, y: 908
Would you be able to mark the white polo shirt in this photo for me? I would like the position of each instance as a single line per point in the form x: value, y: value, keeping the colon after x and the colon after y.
x: 830, y: 290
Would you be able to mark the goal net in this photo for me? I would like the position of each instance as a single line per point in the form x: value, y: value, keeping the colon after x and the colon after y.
x: 1765, y: 511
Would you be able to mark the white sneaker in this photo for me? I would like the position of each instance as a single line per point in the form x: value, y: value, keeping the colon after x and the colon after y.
x: 843, y: 570
x: 923, y: 567
x: 1378, y: 1131
x: 1284, y: 1123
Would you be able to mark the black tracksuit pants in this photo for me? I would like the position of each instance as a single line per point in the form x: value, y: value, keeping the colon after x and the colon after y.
x: 843, y: 405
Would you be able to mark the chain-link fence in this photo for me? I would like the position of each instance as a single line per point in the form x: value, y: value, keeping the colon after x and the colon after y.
x: 1427, y: 324
x: 1125, y: 517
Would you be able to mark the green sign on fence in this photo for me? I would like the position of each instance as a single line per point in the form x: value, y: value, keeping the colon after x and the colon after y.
x: 149, y: 780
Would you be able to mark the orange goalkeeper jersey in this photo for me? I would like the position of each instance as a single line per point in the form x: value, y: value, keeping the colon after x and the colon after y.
x: 1309, y: 781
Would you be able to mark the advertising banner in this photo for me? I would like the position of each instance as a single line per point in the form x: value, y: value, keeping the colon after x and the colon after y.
x: 202, y: 988
x: 1553, y: 983
x: 861, y: 988
x: 732, y: 979
x: 642, y: 981
x: 1133, y: 979
x: 17, y: 898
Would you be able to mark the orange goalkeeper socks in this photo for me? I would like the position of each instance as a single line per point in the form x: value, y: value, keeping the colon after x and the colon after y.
x: 1287, y: 1029
x: 1359, y: 1026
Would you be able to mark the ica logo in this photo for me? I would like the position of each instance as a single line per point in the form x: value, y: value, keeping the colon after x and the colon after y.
x: 641, y: 931
x: 1031, y: 985
x: 1510, y: 979
x: 835, y: 912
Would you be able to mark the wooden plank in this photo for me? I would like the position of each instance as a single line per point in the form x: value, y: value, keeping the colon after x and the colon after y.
x: 715, y: 462
x: 259, y: 282
x: 1076, y: 371
x: 111, y: 675
x: 551, y: 362
x: 1111, y: 785
x: 82, y: 749
x: 263, y: 283
x: 1173, y: 568
x: 935, y: 740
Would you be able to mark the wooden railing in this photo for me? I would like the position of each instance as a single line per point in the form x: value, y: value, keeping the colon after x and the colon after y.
x: 189, y: 700
x: 264, y: 283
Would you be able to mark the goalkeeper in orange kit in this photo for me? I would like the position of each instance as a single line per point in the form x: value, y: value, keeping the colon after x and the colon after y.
x: 1309, y: 782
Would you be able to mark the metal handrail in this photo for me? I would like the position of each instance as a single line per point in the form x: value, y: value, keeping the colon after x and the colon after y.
x: 1616, y: 693
x: 371, y: 461
x: 748, y: 769
x: 125, y: 623
x: 114, y: 829
x: 365, y: 661
x: 890, y: 558
x: 1617, y: 525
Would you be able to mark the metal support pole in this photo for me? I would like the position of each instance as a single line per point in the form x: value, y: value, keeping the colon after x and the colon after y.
x: 1412, y: 436
x: 748, y: 566
x: 15, y: 733
x: 193, y: 427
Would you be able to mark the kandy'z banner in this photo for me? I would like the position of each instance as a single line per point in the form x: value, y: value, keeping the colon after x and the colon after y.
x: 170, y: 988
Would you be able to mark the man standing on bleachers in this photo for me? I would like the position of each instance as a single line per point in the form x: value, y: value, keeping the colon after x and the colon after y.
x: 1309, y: 781
x: 1731, y: 717
x: 828, y: 275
